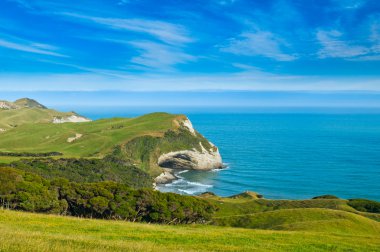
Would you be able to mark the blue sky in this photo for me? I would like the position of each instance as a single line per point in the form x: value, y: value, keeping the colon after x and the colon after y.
x: 224, y: 47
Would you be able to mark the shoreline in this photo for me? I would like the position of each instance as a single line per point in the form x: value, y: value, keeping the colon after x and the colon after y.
x: 166, y: 177
x: 169, y: 176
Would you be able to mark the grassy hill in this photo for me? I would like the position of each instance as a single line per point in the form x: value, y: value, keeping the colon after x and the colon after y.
x: 36, y: 232
x: 98, y: 137
x: 24, y: 111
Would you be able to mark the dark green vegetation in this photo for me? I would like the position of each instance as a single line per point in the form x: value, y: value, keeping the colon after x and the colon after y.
x: 322, y: 215
x: 326, y: 197
x: 365, y: 205
x: 145, y: 150
x: 26, y: 191
x: 87, y: 170
x: 29, y: 154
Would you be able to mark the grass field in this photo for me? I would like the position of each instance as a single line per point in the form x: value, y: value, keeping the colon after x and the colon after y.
x: 15, y: 117
x: 37, y: 232
x: 98, y: 137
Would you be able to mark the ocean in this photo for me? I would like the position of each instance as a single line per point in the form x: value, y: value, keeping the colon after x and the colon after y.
x: 282, y: 154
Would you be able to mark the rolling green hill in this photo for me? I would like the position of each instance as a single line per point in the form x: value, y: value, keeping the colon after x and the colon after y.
x: 36, y: 232
x: 27, y: 130
x: 24, y: 111
x: 98, y: 137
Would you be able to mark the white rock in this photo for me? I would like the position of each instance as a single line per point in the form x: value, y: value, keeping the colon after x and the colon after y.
x: 76, y: 137
x: 192, y: 159
x: 187, y: 123
x: 71, y: 119
x: 7, y: 105
x: 165, y: 177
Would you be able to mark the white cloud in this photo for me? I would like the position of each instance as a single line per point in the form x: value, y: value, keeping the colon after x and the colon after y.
x: 159, y: 56
x: 31, y: 47
x: 164, y: 31
x: 251, y: 80
x: 261, y: 43
x: 333, y: 46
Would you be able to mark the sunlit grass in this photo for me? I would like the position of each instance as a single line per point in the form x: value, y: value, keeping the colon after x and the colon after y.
x: 37, y: 232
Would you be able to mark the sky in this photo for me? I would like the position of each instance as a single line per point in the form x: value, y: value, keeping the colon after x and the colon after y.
x: 204, y: 53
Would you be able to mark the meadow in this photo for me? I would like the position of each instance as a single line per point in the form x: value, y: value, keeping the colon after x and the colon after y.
x: 37, y: 232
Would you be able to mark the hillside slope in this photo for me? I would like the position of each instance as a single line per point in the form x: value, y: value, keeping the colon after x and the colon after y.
x: 53, y: 233
x: 32, y: 130
x: 25, y: 111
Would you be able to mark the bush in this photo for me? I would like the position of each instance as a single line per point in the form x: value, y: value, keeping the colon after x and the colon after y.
x: 87, y: 170
x: 327, y: 196
x: 108, y: 200
x: 365, y: 205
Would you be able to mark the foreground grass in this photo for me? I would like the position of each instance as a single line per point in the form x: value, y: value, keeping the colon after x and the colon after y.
x: 36, y: 232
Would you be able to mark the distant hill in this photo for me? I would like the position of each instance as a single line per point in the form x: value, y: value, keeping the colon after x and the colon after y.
x: 26, y: 111
x: 28, y: 103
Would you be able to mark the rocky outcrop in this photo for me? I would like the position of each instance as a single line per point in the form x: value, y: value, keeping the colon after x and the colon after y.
x: 189, y: 126
x: 7, y: 105
x: 70, y: 119
x: 165, y: 177
x: 197, y: 158
x: 192, y: 159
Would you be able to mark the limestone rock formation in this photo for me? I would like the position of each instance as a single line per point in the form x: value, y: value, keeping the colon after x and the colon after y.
x: 194, y: 159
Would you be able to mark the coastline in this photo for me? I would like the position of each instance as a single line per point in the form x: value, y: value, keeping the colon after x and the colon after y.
x: 166, y: 177
x: 172, y: 180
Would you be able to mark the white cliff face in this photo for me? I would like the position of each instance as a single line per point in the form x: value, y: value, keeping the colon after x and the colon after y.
x: 187, y: 123
x: 71, y: 119
x: 203, y: 159
x: 192, y: 159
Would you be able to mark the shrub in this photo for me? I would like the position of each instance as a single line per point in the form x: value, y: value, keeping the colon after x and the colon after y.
x: 327, y: 196
x: 365, y: 205
x: 108, y: 200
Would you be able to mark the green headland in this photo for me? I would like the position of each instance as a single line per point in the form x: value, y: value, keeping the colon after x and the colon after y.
x: 71, y: 184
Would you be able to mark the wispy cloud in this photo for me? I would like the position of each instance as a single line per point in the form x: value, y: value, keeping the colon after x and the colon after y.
x: 350, y: 4
x: 22, y: 3
x: 226, y: 2
x: 159, y: 56
x: 253, y: 81
x: 164, y: 31
x: 124, y: 2
x: 30, y: 47
x: 334, y: 46
x: 261, y: 43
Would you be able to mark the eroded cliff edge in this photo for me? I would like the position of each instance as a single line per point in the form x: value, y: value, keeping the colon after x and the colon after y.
x: 180, y: 148
x: 197, y: 158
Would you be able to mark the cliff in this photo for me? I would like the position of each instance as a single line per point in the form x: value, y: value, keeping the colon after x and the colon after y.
x: 151, y: 142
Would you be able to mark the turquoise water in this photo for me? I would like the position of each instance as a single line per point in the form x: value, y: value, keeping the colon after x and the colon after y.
x: 287, y: 155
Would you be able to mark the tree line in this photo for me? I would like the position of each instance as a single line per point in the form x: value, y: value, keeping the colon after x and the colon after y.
x: 27, y: 191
